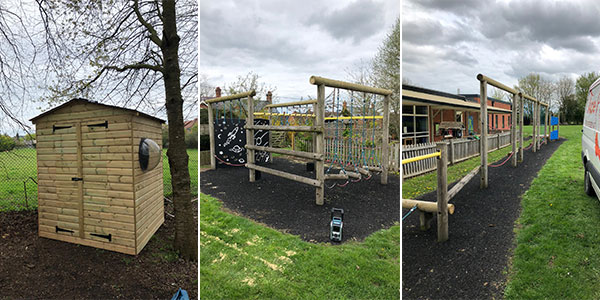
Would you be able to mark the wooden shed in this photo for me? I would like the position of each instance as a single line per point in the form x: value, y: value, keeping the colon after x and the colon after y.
x: 92, y: 189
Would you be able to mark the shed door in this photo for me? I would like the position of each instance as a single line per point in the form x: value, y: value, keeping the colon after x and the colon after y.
x: 107, y: 166
x: 60, y: 169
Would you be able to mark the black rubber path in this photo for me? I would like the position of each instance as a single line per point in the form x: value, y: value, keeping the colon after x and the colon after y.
x: 472, y: 263
x: 290, y: 206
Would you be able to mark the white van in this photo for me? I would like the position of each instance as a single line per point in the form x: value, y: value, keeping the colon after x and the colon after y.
x: 590, y: 147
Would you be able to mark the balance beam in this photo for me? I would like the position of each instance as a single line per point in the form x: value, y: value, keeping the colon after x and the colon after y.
x: 426, y: 206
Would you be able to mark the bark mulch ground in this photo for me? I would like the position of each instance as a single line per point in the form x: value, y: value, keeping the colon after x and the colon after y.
x: 290, y: 207
x: 472, y: 264
x: 37, y: 268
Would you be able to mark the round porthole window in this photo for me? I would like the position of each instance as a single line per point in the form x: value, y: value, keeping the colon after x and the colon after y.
x: 149, y: 154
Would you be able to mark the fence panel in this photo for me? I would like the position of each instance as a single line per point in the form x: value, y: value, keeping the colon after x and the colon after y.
x: 460, y: 149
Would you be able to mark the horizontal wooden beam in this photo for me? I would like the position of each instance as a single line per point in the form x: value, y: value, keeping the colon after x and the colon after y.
x: 286, y: 175
x: 533, y: 99
x: 457, y: 187
x: 426, y: 206
x: 497, y: 84
x: 309, y: 155
x: 250, y: 93
x: 295, y: 103
x: 336, y: 176
x: 285, y: 128
x: 316, y: 80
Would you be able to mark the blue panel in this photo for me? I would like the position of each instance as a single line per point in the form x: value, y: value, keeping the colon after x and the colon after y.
x: 553, y: 121
x: 554, y: 135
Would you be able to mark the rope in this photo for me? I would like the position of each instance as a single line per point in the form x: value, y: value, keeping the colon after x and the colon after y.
x: 229, y: 164
x: 410, y: 212
x: 494, y: 166
x: 528, y: 147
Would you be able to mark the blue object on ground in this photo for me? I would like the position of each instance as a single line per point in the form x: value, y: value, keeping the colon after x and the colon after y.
x: 181, y: 295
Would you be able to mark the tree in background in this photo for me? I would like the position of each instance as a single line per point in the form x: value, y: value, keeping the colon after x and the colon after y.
x: 248, y: 82
x: 537, y: 87
x: 582, y: 87
x: 565, y: 97
x: 386, y: 73
x: 128, y: 52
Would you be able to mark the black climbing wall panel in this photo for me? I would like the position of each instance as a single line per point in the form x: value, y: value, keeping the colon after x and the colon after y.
x: 230, y: 139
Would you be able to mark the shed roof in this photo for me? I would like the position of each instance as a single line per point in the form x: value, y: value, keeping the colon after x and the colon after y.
x: 416, y: 95
x: 81, y: 100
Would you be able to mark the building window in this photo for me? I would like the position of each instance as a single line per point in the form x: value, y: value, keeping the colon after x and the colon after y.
x: 496, y: 121
x: 503, y: 122
x: 415, y: 124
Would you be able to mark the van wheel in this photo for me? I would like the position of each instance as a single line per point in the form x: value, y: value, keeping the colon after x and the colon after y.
x: 589, y: 190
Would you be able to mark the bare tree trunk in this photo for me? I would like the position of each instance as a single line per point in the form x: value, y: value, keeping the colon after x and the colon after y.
x: 186, y: 241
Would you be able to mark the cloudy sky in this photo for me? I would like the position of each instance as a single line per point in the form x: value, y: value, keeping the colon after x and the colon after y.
x: 285, y: 42
x: 446, y: 43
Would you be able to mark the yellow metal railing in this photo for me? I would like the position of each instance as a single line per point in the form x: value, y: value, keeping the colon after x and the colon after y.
x: 422, y: 157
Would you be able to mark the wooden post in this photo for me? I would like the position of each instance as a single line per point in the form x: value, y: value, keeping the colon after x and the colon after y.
x: 270, y: 110
x: 498, y: 141
x: 425, y: 220
x: 513, y: 130
x: 483, y: 117
x: 385, y: 146
x: 320, y: 144
x: 451, y: 151
x: 521, y: 118
x: 442, y: 192
x: 558, y: 123
x: 534, y: 123
x: 546, y: 127
x: 211, y: 136
x: 250, y: 138
x: 314, y: 136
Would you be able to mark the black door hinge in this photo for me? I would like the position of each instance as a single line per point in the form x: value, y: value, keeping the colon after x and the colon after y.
x: 58, y: 229
x: 76, y: 178
x: 104, y: 236
x: 55, y: 128
x: 105, y: 125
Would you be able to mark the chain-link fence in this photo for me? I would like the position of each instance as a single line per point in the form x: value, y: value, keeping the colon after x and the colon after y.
x: 18, y: 177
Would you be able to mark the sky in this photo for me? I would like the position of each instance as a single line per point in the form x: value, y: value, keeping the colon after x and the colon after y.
x: 286, y: 42
x: 446, y: 43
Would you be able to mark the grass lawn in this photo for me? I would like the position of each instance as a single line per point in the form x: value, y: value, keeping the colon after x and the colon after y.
x: 242, y: 259
x: 193, y: 169
x: 558, y: 233
x: 17, y: 166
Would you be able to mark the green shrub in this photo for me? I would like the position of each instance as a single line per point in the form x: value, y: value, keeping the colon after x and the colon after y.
x: 6, y: 143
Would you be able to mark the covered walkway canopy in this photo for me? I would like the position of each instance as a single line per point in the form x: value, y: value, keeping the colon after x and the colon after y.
x: 412, y: 96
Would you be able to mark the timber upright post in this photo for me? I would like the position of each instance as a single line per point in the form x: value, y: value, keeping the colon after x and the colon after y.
x: 385, y: 143
x: 546, y: 128
x: 539, y: 122
x: 521, y: 119
x: 211, y: 136
x: 250, y: 138
x: 513, y: 130
x: 442, y: 192
x: 483, y: 116
x: 320, y: 144
x: 534, y: 123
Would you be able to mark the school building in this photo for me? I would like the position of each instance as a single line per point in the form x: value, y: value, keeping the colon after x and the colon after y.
x: 432, y: 116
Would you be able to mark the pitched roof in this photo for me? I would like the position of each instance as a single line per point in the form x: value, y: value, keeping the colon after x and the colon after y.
x: 81, y: 100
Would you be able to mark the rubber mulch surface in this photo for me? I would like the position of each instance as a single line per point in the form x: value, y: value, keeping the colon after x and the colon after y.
x: 470, y: 265
x: 289, y: 206
x: 38, y: 268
